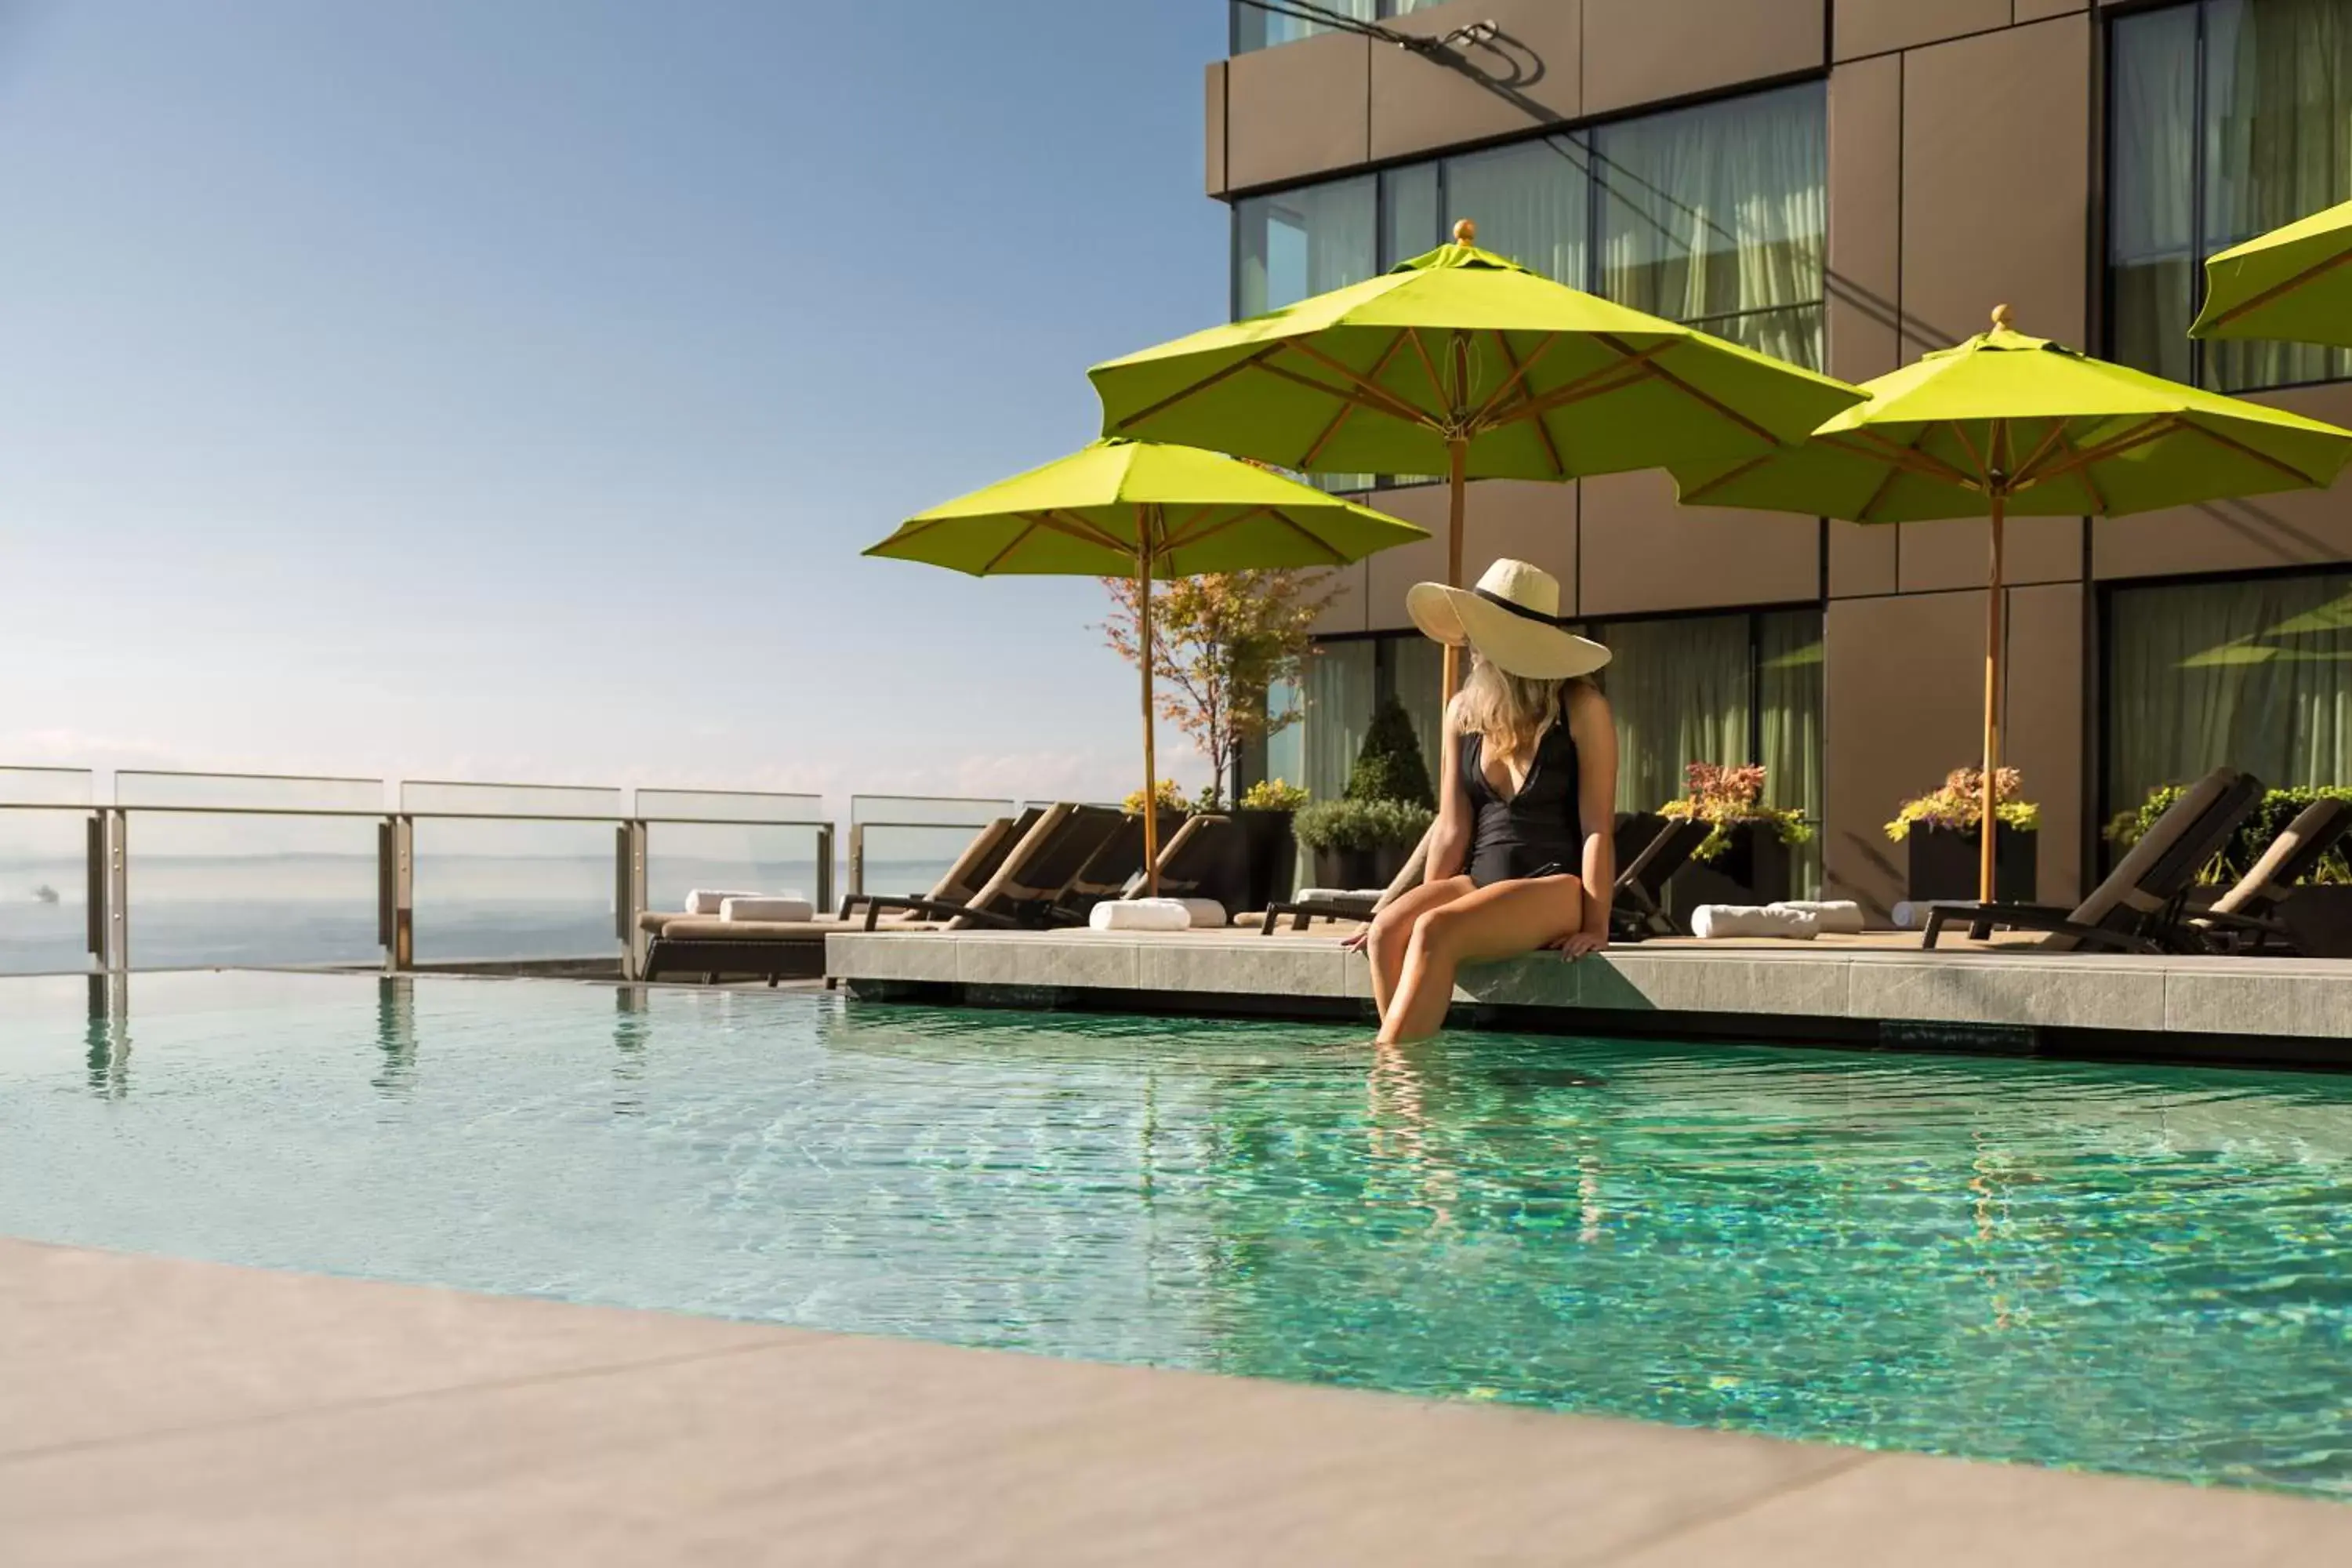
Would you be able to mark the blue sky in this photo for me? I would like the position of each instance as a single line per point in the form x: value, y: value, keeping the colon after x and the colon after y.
x: 504, y: 390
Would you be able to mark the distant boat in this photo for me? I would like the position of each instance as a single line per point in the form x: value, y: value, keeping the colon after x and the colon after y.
x: 45, y: 894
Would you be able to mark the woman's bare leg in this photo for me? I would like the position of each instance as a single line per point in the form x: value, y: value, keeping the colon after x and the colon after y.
x: 1501, y: 920
x: 1392, y: 929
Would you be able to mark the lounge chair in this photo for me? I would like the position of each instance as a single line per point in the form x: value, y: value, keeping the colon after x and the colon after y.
x: 1357, y: 907
x: 1116, y: 867
x: 1027, y: 890
x: 795, y: 949
x: 1192, y: 858
x: 2247, y: 918
x: 1650, y: 851
x: 2139, y: 909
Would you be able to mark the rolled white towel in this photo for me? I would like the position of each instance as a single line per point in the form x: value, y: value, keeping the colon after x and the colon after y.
x: 705, y: 902
x: 1838, y: 917
x: 1204, y: 913
x: 1312, y: 895
x: 1714, y: 921
x: 754, y: 907
x: 1140, y: 914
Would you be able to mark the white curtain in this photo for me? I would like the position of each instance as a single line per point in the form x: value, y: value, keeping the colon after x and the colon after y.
x: 1789, y: 649
x: 1420, y: 676
x: 1718, y: 216
x: 2152, y: 203
x: 1339, y: 681
x: 1260, y: 29
x: 2255, y: 675
x: 1529, y: 202
x: 1680, y: 690
x: 2278, y: 108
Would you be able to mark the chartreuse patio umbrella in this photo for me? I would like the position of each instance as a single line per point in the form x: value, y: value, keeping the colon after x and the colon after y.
x: 1144, y: 509
x: 1465, y: 363
x: 2006, y: 425
x: 2293, y: 283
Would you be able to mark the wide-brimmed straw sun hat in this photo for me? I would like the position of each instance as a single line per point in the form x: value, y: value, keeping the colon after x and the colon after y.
x: 1512, y: 617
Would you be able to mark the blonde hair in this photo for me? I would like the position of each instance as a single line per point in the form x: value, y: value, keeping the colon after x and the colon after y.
x: 1508, y: 711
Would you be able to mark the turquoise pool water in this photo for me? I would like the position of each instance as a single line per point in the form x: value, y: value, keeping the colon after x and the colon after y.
x: 2120, y: 1268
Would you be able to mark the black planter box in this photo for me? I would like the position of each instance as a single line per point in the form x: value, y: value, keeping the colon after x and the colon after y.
x: 1263, y: 866
x: 1755, y: 868
x: 1353, y: 869
x: 2319, y: 920
x: 1946, y: 864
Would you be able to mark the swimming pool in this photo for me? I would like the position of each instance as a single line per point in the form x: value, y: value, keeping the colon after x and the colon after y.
x: 2123, y: 1268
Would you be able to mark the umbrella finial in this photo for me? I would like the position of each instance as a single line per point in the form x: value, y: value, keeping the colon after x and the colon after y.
x: 2001, y: 320
x: 1465, y: 232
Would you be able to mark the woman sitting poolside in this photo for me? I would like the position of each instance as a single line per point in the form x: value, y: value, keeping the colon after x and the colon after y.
x: 1522, y: 857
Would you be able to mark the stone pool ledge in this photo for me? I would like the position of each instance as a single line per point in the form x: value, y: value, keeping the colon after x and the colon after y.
x: 187, y: 1413
x: 1865, y: 992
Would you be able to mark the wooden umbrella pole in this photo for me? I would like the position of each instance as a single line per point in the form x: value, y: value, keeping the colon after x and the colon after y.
x: 1992, y: 708
x: 1143, y: 564
x: 1457, y: 472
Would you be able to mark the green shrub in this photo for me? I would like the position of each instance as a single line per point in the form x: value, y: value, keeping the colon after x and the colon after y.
x: 1390, y: 766
x: 2269, y: 818
x: 1362, y: 825
x: 1169, y: 795
x: 1272, y: 795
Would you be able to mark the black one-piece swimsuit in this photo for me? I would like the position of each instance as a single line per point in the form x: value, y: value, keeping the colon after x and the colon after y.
x: 1538, y: 831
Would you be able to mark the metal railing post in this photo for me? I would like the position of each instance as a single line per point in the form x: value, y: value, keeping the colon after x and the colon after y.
x: 824, y: 867
x: 94, y: 886
x: 629, y: 840
x: 118, y: 890
x: 856, y: 862
x: 399, y: 936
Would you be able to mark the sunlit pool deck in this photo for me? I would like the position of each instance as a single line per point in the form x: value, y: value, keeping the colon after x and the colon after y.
x: 1871, y: 991
x: 194, y: 1413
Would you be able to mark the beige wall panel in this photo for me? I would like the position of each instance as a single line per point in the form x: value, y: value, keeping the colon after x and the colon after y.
x: 1645, y: 554
x: 1865, y: 195
x: 1861, y: 560
x: 1214, y: 156
x: 1995, y: 182
x: 1534, y: 523
x: 1875, y: 26
x: 2298, y: 528
x: 1896, y: 725
x: 1957, y: 554
x: 2036, y: 10
x: 2045, y: 739
x: 1347, y: 612
x: 1531, y: 74
x: 1646, y: 51
x: 1296, y: 110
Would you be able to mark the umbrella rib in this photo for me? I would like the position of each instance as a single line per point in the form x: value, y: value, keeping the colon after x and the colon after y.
x: 1551, y: 447
x: 1311, y: 537
x: 2048, y: 443
x: 1428, y: 365
x: 1576, y: 391
x: 1698, y: 497
x: 1186, y: 540
x: 1019, y: 539
x: 1350, y: 407
x: 2098, y: 497
x: 1517, y: 378
x: 1078, y: 528
x: 1211, y: 379
x: 1960, y: 434
x: 1893, y: 472
x: 1375, y: 395
x: 1926, y: 464
x: 2281, y: 464
x: 2267, y: 296
x: 2080, y: 460
x: 1687, y: 390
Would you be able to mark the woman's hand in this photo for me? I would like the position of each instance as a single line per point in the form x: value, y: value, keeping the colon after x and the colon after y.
x: 1583, y: 943
x: 1355, y: 942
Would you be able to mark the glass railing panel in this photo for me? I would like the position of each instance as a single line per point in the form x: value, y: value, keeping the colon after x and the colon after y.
x: 726, y: 806
x: 248, y: 792
x: 46, y: 786
x: 44, y: 890
x: 494, y: 890
x: 909, y: 857
x: 965, y: 811
x: 430, y: 798
x: 246, y: 888
x: 728, y: 857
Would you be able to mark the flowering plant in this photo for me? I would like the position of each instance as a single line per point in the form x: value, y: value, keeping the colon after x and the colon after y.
x: 1168, y: 795
x: 1272, y: 795
x: 1959, y: 805
x: 1728, y: 797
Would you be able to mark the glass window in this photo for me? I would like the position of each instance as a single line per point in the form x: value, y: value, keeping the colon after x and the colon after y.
x: 1531, y: 202
x: 2255, y: 675
x: 1412, y: 216
x: 1717, y: 215
x: 1261, y: 27
x: 2228, y: 118
x: 1305, y: 242
x: 1339, y: 690
x: 1285, y: 749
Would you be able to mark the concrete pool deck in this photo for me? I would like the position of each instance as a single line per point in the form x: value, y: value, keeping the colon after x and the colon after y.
x: 164, y: 1411
x: 1868, y: 991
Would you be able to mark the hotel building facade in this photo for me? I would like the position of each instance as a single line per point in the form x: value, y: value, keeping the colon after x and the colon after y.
x: 1845, y: 183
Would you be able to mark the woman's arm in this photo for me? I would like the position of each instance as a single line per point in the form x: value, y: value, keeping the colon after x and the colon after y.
x: 1594, y: 729
x: 1449, y: 838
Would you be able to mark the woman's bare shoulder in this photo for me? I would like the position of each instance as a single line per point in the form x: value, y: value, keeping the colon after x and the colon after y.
x: 1586, y: 703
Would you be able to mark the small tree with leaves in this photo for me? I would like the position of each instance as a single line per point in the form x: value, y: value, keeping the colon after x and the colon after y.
x: 1389, y: 767
x: 1219, y: 642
